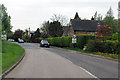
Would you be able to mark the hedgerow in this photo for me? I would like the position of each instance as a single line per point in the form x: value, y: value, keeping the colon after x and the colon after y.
x: 86, y: 40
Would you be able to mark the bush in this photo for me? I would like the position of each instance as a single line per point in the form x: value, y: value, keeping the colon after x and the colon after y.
x: 88, y: 40
x: 115, y: 36
x: 105, y: 47
x: 111, y: 47
x: 83, y: 39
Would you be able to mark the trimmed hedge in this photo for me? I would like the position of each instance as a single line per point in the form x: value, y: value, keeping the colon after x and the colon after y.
x: 67, y: 41
x: 60, y: 41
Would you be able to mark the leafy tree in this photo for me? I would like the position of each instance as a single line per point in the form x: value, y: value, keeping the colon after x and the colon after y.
x: 109, y: 20
x: 18, y: 34
x: 55, y: 29
x: 95, y: 15
x: 103, y: 31
x: 5, y: 19
x: 26, y: 36
x: 35, y: 35
x: 99, y: 17
x: 10, y: 35
x: 0, y: 17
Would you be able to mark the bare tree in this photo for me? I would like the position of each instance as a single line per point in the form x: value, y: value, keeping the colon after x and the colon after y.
x: 60, y: 18
x: 44, y: 27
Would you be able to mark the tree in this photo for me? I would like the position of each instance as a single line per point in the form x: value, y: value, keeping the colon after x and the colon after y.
x: 26, y: 36
x: 5, y: 19
x: 10, y: 35
x: 103, y: 31
x: 18, y: 34
x: 60, y: 18
x: 45, y: 27
x: 109, y: 20
x: 55, y: 29
x: 99, y: 17
x: 95, y: 15
x: 35, y: 35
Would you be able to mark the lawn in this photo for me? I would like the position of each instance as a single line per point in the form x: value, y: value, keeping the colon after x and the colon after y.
x: 11, y: 53
x: 114, y: 56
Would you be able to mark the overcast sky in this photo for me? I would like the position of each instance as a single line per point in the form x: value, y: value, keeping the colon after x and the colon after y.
x: 32, y: 13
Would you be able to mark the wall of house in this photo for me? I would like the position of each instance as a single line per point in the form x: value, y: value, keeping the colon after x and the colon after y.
x: 71, y: 31
x: 78, y: 32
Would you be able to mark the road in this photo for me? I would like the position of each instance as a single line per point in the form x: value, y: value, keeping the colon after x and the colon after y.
x: 60, y: 63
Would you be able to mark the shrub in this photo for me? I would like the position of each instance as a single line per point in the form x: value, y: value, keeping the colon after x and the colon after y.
x: 83, y: 39
x: 115, y: 36
x: 105, y: 47
x: 92, y: 46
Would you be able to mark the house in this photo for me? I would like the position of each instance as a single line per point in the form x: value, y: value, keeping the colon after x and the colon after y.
x: 78, y: 26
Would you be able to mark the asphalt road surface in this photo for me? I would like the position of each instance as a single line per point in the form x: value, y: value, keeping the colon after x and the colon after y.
x: 41, y: 62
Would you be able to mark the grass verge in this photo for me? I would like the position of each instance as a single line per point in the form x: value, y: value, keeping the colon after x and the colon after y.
x: 11, y: 53
x: 114, y: 56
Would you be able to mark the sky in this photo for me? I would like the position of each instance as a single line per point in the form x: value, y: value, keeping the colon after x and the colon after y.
x: 32, y: 13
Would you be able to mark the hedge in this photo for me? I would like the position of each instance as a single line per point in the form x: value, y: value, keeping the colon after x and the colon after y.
x: 67, y: 41
x: 86, y: 40
x: 105, y: 47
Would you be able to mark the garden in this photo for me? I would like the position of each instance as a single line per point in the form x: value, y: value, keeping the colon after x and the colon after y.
x: 102, y: 43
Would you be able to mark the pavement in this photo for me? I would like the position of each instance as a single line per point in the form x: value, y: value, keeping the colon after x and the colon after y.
x: 41, y: 62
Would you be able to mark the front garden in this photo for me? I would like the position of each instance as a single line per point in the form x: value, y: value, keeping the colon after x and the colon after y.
x: 88, y: 44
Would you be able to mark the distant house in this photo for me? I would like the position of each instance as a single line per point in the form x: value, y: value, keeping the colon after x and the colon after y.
x: 78, y: 26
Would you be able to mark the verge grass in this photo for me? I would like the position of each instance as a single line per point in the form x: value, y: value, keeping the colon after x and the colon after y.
x: 114, y: 56
x: 11, y: 53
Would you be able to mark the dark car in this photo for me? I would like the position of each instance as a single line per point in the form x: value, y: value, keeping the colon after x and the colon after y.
x: 44, y: 43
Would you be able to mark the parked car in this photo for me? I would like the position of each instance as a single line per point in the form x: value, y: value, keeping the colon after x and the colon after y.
x: 11, y: 40
x: 20, y: 41
x: 44, y: 43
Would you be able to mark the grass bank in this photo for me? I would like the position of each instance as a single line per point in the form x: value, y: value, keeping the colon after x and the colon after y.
x: 114, y: 56
x: 11, y: 53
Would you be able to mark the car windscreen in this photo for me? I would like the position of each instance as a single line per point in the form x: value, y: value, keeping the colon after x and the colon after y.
x: 45, y: 41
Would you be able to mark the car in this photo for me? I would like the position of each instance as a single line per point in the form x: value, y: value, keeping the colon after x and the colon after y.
x: 11, y: 40
x: 20, y: 41
x: 44, y: 43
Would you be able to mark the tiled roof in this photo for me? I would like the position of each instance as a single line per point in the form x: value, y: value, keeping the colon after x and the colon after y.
x: 85, y: 25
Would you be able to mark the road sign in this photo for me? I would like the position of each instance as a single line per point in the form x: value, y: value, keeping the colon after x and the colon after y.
x: 74, y: 36
x: 74, y: 40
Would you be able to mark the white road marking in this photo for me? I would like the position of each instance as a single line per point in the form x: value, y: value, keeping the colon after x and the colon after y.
x: 85, y: 70
x: 88, y: 72
x: 69, y: 61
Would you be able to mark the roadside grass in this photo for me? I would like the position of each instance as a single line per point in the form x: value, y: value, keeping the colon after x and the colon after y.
x: 114, y: 56
x: 11, y: 53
